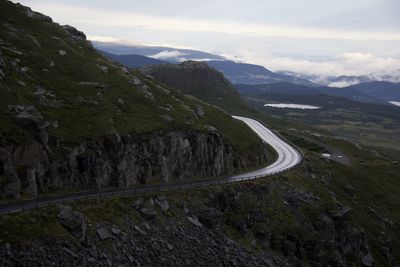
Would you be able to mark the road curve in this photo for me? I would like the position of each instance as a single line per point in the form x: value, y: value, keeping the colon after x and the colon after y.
x: 288, y: 158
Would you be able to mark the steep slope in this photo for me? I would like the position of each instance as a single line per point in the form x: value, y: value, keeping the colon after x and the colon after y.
x: 203, y: 82
x: 72, y: 119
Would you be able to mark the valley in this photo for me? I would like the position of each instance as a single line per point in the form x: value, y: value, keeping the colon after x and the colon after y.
x: 127, y: 154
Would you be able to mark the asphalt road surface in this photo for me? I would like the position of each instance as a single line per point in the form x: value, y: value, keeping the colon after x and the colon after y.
x: 288, y: 158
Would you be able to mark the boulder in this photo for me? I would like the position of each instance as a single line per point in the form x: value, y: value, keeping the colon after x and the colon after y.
x: 26, y: 115
x: 162, y: 202
x: 148, y: 213
x: 103, y: 233
x: 73, y: 221
x: 367, y: 260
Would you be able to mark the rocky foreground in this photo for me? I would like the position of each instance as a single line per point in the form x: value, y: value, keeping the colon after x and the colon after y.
x: 196, y: 229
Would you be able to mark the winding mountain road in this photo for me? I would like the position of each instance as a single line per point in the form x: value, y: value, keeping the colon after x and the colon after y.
x: 288, y: 158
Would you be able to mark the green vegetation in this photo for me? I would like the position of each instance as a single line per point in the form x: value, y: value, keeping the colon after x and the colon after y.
x: 83, y: 100
x: 374, y: 126
x: 21, y: 228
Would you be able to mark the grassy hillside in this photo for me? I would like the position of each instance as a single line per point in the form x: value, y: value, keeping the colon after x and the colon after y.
x: 82, y: 94
x: 201, y: 81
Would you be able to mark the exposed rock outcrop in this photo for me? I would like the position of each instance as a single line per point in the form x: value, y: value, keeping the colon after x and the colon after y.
x: 116, y: 161
x: 74, y: 32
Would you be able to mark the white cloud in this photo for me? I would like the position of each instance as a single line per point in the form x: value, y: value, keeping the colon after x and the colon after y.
x: 169, y: 54
x: 342, y: 84
x: 349, y: 64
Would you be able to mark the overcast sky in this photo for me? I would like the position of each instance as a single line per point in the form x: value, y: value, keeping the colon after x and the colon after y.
x: 342, y: 37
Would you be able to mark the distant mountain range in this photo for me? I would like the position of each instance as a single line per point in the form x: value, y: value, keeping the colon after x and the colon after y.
x: 255, y: 79
x: 254, y: 74
x: 139, y: 56
x: 134, y: 61
x: 371, y: 92
x: 344, y: 80
x: 171, y: 55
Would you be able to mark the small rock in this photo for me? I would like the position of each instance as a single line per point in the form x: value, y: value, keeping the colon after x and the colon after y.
x: 138, y: 203
x: 136, y: 81
x: 62, y: 52
x: 146, y: 92
x: 148, y: 213
x: 342, y: 214
x: 130, y: 258
x: 167, y: 118
x: 137, y: 228
x: 199, y: 111
x: 210, y: 128
x: 169, y: 246
x: 125, y: 70
x: 350, y: 190
x: 103, y: 233
x: 115, y: 230
x: 24, y: 69
x: 39, y: 91
x: 195, y: 221
x: 164, y: 90
x: 21, y: 83
x: 73, y: 254
x: 103, y: 68
x: 165, y: 109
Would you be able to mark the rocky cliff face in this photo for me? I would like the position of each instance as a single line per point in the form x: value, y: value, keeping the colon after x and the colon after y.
x: 117, y: 161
